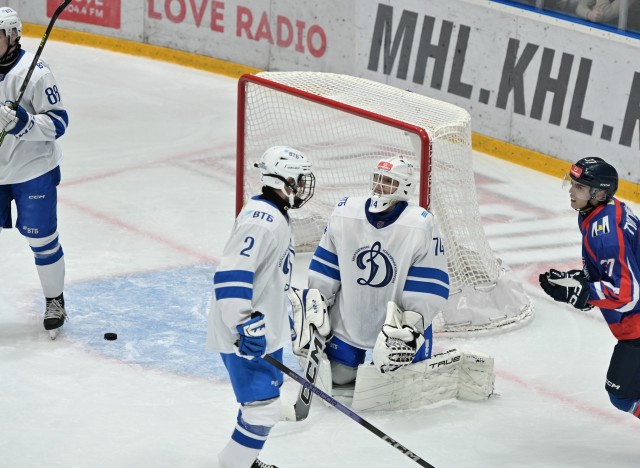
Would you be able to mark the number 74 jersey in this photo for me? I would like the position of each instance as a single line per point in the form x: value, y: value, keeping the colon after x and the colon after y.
x: 367, y: 261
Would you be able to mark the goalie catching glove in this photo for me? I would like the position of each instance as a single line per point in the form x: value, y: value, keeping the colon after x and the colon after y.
x: 571, y: 287
x: 399, y: 340
x: 309, y: 312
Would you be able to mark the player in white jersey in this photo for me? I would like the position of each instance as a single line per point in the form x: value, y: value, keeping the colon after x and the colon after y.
x: 373, y: 251
x: 249, y: 312
x: 29, y: 161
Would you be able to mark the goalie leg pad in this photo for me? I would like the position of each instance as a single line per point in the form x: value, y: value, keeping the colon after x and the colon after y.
x: 467, y: 375
x: 401, y: 389
x: 414, y: 386
x: 476, y: 376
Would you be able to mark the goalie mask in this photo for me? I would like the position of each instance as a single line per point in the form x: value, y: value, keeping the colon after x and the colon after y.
x: 288, y: 170
x: 11, y: 25
x: 594, y: 173
x: 392, y: 181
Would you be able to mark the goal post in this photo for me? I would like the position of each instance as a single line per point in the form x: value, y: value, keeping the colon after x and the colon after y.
x: 345, y: 124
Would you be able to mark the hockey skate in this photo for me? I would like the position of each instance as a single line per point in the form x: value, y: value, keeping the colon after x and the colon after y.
x: 54, y: 316
x: 260, y: 464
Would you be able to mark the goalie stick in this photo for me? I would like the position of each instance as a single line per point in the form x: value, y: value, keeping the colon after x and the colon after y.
x: 300, y: 410
x: 32, y: 67
x: 342, y: 408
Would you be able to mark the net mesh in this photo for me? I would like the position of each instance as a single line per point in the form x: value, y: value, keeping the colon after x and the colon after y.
x: 344, y: 139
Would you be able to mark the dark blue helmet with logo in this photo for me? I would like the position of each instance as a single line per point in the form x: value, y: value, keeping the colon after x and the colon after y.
x: 597, y: 173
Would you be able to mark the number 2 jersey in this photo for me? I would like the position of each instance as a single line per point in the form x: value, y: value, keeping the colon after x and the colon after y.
x: 253, y: 275
x: 33, y: 151
x: 611, y: 256
x: 367, y: 259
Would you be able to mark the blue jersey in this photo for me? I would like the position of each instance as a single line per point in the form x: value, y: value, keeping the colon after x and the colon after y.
x: 611, y: 256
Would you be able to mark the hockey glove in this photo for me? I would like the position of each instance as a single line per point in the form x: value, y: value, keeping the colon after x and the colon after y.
x: 252, y: 342
x: 399, y: 340
x: 13, y: 121
x: 309, y: 313
x: 571, y: 287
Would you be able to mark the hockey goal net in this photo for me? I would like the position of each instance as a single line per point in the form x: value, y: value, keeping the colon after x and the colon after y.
x: 345, y: 125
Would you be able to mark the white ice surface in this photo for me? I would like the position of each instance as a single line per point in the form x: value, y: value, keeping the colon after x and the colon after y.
x: 145, y: 207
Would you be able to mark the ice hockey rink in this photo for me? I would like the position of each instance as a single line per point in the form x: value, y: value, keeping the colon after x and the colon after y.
x: 145, y: 207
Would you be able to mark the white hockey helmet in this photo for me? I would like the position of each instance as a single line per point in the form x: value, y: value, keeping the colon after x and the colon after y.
x: 283, y: 167
x: 392, y: 181
x: 11, y: 25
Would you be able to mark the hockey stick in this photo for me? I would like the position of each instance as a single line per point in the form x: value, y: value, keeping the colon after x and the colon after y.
x: 339, y: 406
x: 300, y: 410
x: 32, y: 67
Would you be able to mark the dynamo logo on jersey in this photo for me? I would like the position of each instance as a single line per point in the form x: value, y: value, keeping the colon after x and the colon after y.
x: 600, y: 226
x: 377, y: 266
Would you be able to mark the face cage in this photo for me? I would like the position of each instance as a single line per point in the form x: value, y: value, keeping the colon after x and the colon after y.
x: 304, y: 190
x: 389, y: 191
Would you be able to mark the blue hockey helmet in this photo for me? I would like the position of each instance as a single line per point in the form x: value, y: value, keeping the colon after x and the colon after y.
x: 596, y: 173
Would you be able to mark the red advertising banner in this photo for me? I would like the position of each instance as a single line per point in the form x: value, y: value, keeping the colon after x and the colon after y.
x: 98, y: 12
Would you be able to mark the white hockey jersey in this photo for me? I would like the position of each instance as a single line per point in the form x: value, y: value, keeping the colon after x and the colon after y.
x: 365, y: 262
x: 34, y: 150
x: 253, y: 275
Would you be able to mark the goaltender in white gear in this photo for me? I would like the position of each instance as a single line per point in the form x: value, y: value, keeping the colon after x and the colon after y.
x: 381, y: 265
x: 375, y: 250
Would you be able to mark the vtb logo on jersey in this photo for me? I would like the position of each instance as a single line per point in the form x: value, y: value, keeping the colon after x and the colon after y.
x: 600, y: 226
x: 377, y: 266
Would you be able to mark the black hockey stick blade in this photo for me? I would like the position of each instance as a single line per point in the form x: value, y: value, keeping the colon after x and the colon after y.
x: 36, y: 58
x: 340, y: 407
x: 302, y: 405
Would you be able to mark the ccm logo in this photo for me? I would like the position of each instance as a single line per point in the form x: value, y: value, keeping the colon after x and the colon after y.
x: 612, y: 385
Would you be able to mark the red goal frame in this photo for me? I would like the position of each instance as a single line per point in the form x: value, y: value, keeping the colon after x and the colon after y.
x: 245, y: 80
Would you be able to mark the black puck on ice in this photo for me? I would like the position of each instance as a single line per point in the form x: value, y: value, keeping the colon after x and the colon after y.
x: 110, y: 336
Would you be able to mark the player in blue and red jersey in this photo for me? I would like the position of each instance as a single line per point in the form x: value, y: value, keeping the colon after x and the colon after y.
x: 610, y: 276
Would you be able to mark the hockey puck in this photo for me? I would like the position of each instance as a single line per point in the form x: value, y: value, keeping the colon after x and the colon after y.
x: 110, y: 336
